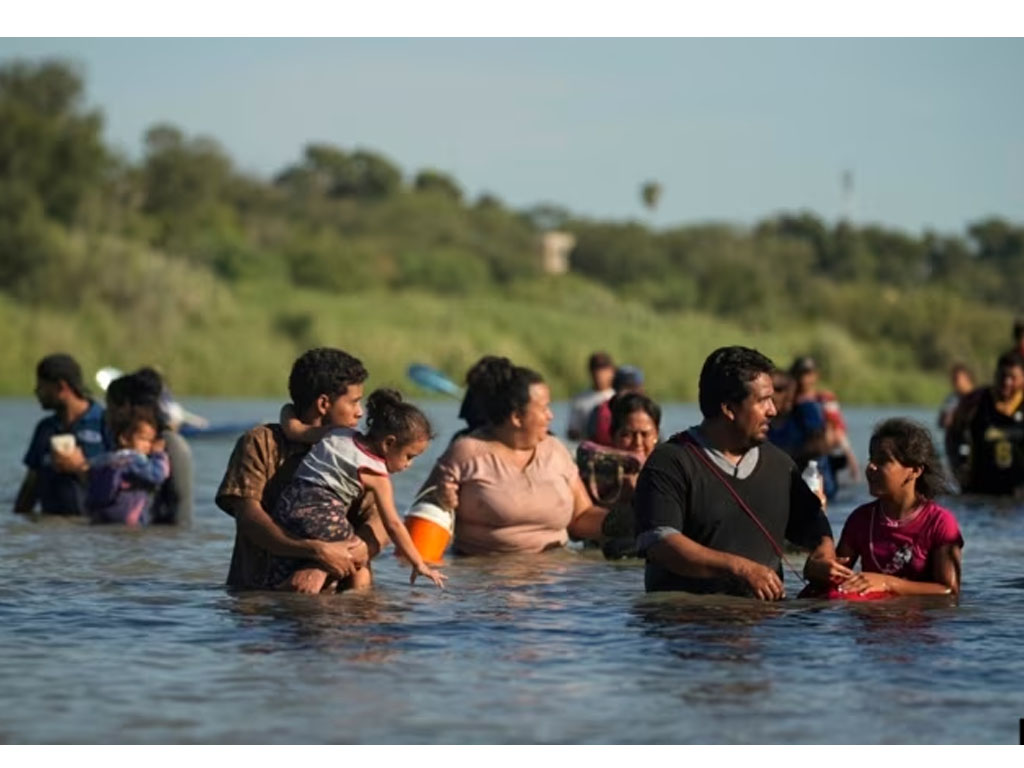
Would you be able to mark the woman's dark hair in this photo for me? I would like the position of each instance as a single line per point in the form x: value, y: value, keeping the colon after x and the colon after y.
x: 501, y: 388
x: 631, y: 402
x: 726, y: 376
x: 323, y: 371
x: 387, y: 414
x: 911, y: 445
x: 473, y: 410
x: 125, y: 418
x: 142, y: 388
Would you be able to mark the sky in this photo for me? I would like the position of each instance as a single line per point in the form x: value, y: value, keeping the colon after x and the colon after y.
x: 734, y: 130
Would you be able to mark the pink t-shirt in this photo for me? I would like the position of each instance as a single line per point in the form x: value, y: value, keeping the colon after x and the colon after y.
x: 886, y: 546
x: 506, y: 509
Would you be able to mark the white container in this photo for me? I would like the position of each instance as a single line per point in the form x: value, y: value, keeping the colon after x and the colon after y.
x: 812, y: 476
x: 62, y: 443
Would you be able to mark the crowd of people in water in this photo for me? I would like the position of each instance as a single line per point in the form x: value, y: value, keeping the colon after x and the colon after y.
x: 708, y: 509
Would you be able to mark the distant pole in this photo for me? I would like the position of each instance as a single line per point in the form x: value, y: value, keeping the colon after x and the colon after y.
x: 846, y: 193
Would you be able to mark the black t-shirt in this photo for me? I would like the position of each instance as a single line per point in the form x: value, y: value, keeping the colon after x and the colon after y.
x: 676, y: 490
x: 997, y: 448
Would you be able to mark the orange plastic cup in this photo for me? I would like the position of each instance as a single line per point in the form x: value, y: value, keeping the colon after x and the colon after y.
x: 430, y: 529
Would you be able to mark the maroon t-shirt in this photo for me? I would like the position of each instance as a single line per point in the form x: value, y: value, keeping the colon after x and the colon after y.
x: 899, y: 548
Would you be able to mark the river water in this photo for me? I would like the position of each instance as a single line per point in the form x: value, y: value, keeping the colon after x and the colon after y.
x: 110, y: 635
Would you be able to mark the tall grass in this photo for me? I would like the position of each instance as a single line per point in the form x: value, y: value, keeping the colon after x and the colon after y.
x: 214, y: 341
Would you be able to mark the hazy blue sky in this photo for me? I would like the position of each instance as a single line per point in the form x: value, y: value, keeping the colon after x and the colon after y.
x: 933, y: 130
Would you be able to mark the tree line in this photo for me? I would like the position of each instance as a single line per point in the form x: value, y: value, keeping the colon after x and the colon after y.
x: 79, y: 222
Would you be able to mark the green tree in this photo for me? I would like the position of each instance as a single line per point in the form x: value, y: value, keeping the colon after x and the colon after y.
x: 650, y: 193
x: 50, y: 147
x: 430, y: 180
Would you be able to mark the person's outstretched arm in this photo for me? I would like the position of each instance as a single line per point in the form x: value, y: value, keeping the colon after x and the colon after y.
x: 297, y: 430
x: 587, y: 517
x: 380, y: 487
x: 945, y: 578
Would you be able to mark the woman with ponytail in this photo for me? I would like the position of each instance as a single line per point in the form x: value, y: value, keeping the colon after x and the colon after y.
x: 340, y: 470
x: 514, y: 486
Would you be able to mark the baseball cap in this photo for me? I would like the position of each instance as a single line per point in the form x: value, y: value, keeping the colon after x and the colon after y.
x: 62, y: 367
x: 803, y: 364
x: 627, y: 376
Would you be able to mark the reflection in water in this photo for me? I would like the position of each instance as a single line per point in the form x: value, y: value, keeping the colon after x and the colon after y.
x: 356, y: 626
x: 705, y: 627
x: 108, y: 634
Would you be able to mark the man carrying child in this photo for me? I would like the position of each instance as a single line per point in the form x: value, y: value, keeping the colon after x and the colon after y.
x: 326, y: 387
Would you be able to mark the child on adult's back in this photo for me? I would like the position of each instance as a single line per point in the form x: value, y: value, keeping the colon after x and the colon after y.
x: 906, y: 543
x: 341, y: 469
x: 121, y: 484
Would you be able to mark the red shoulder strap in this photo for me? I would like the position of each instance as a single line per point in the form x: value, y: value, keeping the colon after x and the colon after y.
x: 685, y: 439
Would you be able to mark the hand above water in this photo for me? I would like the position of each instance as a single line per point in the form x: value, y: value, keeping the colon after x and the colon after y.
x: 71, y: 462
x: 860, y: 583
x: 342, y: 558
x: 447, y: 495
x: 431, y: 573
x: 828, y: 571
x: 764, y: 582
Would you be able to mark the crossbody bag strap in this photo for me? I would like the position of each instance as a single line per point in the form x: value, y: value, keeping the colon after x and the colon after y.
x: 698, y: 451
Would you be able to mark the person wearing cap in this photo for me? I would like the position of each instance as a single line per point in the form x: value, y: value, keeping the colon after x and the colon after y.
x: 627, y: 378
x: 840, y: 453
x: 602, y: 370
x: 61, y: 389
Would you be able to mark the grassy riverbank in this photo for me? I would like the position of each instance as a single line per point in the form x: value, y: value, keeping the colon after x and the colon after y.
x: 241, y: 342
x: 221, y: 278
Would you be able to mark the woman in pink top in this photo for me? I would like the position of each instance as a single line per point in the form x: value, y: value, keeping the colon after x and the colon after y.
x: 907, y: 544
x: 514, y: 486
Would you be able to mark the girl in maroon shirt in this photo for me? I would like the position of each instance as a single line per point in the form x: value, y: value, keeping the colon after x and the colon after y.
x: 906, y: 543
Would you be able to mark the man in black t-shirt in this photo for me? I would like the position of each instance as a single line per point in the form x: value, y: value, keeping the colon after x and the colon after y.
x: 690, y: 518
x: 985, y: 441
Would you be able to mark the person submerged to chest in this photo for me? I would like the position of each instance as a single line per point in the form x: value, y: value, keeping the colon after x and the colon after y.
x: 512, y: 500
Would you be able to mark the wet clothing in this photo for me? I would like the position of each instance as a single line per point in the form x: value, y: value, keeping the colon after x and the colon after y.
x: 947, y: 409
x: 261, y: 466
x: 325, y: 487
x: 122, y: 484
x: 677, y: 493
x: 505, y: 509
x: 901, y: 549
x: 994, y: 461
x: 173, y: 502
x: 61, y: 493
x: 581, y: 408
x: 830, y: 405
x: 599, y: 427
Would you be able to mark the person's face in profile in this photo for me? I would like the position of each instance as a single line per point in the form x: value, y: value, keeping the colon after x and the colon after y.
x: 347, y: 408
x: 535, y: 417
x: 783, y: 390
x: 752, y: 416
x: 48, y: 393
